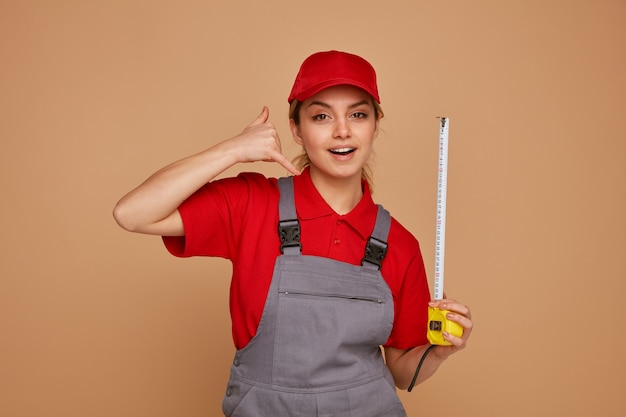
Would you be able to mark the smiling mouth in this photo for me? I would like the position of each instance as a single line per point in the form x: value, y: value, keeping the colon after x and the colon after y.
x: 342, y: 151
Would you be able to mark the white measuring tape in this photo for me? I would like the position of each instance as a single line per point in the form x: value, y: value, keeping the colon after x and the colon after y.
x: 438, y: 323
x: 442, y: 185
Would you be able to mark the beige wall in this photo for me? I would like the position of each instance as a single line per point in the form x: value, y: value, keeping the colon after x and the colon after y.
x: 94, y: 96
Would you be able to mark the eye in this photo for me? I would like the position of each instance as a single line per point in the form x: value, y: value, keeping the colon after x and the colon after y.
x: 359, y: 115
x: 320, y: 117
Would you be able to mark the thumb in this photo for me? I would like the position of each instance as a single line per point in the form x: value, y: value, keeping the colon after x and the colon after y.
x: 261, y: 118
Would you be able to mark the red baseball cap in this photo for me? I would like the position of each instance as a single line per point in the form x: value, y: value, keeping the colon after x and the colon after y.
x: 327, y: 69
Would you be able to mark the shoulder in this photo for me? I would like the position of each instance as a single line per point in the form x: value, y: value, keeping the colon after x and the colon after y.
x: 256, y: 178
x: 258, y: 187
x: 402, y: 239
x: 230, y: 198
x: 249, y: 180
x: 218, y: 216
x: 239, y: 188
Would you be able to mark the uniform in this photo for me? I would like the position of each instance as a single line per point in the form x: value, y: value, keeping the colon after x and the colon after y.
x: 314, y: 349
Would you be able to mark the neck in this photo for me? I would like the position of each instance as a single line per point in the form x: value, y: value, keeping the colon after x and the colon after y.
x: 341, y: 194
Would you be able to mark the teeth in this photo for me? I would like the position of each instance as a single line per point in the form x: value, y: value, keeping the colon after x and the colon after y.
x: 342, y: 150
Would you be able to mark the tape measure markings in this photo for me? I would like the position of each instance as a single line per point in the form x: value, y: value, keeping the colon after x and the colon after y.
x: 440, y: 230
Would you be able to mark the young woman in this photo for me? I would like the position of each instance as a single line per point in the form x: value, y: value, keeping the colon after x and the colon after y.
x: 322, y: 276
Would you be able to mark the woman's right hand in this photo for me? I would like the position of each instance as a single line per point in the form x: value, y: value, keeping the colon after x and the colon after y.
x: 152, y: 207
x: 259, y: 141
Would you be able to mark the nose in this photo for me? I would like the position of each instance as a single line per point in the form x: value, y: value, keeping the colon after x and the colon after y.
x: 341, y: 129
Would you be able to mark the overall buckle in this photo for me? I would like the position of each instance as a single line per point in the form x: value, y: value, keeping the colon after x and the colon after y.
x: 375, y: 251
x: 289, y: 233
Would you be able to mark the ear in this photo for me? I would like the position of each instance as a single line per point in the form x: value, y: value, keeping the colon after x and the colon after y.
x: 295, y: 132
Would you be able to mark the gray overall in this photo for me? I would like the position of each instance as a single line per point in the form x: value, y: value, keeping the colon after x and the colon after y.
x: 316, y: 351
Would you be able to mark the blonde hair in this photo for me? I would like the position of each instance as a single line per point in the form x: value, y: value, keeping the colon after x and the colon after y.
x: 302, y: 160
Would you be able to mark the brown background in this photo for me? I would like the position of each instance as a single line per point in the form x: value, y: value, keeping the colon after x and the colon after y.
x: 97, y: 95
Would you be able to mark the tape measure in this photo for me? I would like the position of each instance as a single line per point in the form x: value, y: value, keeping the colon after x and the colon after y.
x: 442, y: 187
x: 437, y: 320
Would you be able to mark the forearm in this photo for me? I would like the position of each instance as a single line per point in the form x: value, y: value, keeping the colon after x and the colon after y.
x: 145, y: 207
x: 403, y: 363
x: 152, y: 207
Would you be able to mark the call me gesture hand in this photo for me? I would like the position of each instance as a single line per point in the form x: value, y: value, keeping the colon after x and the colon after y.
x: 152, y: 207
x: 259, y: 141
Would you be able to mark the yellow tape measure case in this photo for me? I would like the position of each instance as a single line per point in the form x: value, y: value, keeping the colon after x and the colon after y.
x: 439, y: 323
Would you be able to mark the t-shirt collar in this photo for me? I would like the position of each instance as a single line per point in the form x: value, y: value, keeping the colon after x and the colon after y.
x: 311, y: 205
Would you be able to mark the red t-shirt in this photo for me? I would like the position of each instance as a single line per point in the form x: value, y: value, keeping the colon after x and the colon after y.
x: 237, y: 219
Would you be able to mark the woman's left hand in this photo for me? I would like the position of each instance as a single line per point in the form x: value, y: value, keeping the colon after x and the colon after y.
x: 460, y: 314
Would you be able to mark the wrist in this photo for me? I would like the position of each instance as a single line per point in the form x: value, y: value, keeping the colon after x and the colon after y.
x: 223, y: 154
x: 441, y: 353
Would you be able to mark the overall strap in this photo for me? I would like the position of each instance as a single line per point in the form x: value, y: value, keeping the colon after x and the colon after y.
x: 288, y: 224
x: 376, y: 247
x: 289, y: 228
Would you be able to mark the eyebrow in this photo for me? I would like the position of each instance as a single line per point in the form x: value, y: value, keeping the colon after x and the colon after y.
x: 351, y: 106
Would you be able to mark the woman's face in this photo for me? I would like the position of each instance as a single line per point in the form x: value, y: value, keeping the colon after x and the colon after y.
x: 337, y: 129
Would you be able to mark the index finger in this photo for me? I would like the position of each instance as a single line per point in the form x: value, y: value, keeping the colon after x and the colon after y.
x: 452, y: 305
x: 286, y: 163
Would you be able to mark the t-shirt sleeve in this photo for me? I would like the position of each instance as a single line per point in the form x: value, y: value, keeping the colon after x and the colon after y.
x: 411, y: 307
x: 212, y: 217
